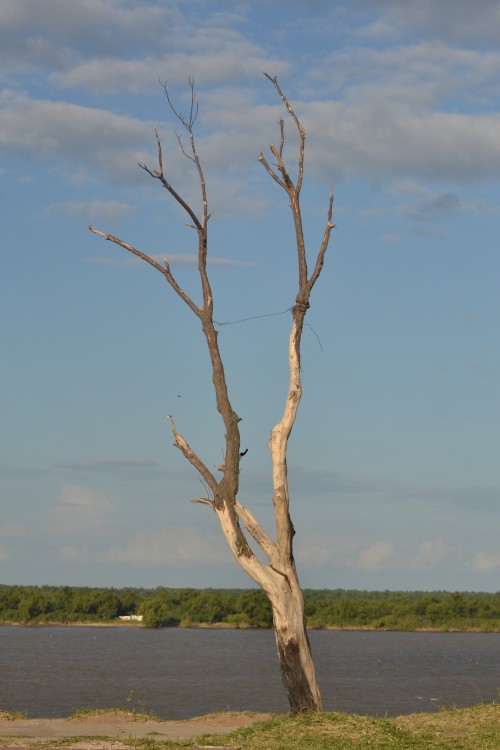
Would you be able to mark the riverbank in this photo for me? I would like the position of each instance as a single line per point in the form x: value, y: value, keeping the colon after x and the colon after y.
x: 463, y: 729
x: 119, y: 724
x: 243, y: 626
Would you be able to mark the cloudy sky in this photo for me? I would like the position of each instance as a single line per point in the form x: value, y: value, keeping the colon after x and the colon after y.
x: 394, y: 459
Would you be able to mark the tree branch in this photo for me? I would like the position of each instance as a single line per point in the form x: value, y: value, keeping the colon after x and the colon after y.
x: 178, y: 289
x: 204, y: 501
x: 281, y: 432
x: 164, y: 270
x: 302, y: 132
x: 257, y: 532
x: 193, y: 459
x: 324, y: 243
x: 287, y: 184
x: 157, y: 175
x: 271, y: 171
x: 130, y: 249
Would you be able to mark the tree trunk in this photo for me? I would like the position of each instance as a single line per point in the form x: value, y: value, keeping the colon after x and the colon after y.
x: 280, y: 582
x: 294, y: 652
x: 277, y: 576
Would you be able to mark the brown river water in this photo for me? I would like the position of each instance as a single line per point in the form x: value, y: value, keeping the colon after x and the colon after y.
x: 178, y: 673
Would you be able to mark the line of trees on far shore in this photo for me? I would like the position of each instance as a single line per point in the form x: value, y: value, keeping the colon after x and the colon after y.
x: 243, y: 608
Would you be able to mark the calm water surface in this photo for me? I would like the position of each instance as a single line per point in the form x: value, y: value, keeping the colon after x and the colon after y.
x: 177, y: 673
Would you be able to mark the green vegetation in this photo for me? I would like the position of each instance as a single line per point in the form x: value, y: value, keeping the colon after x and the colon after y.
x: 118, y: 713
x: 408, y: 610
x: 11, y: 715
x: 456, y: 729
x: 459, y: 729
x: 160, y: 607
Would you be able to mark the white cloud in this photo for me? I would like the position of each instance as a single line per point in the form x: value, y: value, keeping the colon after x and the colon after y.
x: 4, y: 554
x: 484, y: 563
x: 229, y: 60
x: 91, y: 210
x: 316, y: 551
x: 31, y: 38
x: 430, y: 554
x: 74, y: 554
x: 11, y: 530
x: 452, y: 20
x: 80, y: 510
x: 417, y: 76
x: 375, y: 142
x: 112, y: 46
x: 102, y: 143
x: 377, y: 556
x: 173, y: 259
x: 386, y: 141
x: 169, y: 546
x: 440, y: 207
x: 391, y: 116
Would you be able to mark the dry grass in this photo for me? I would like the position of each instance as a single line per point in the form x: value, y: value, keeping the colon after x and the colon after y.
x: 455, y: 723
x: 105, y: 715
x: 475, y: 728
x: 11, y: 715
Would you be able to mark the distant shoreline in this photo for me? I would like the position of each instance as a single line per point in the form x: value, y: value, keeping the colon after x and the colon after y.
x: 230, y: 626
x: 335, y: 609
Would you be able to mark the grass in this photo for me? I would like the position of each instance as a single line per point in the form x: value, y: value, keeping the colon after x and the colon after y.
x: 11, y: 715
x: 219, y: 715
x: 474, y: 728
x: 126, y: 713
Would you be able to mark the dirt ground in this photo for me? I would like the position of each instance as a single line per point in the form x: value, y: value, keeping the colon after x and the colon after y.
x: 22, y: 732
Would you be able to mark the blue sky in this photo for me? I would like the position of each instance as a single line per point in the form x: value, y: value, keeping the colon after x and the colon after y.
x: 394, y: 459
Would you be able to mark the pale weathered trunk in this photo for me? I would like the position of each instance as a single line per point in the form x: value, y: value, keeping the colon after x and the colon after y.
x: 281, y: 584
x: 277, y: 576
x: 294, y: 651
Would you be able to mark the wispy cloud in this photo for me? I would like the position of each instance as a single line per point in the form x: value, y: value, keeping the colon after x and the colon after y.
x: 382, y: 554
x: 429, y: 554
x: 92, y: 210
x: 231, y: 62
x: 65, y: 134
x: 484, y: 563
x: 467, y: 22
x: 170, y: 546
x: 377, y: 556
x: 441, y: 207
x: 325, y: 485
x: 175, y: 259
x: 80, y: 510
x: 126, y: 462
x: 385, y: 555
x: 11, y: 530
x: 174, y: 545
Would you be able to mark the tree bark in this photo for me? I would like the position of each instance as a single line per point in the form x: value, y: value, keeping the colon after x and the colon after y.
x: 281, y: 584
x: 277, y: 576
x: 294, y: 652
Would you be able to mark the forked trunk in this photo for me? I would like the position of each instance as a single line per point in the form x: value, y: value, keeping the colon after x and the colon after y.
x: 278, y: 576
x: 294, y: 652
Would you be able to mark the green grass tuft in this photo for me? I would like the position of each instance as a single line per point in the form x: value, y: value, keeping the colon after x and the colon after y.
x: 11, y: 715
x: 90, y: 713
x: 476, y: 728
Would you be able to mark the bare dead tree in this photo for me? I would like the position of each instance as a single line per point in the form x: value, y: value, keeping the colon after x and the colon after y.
x: 277, y: 575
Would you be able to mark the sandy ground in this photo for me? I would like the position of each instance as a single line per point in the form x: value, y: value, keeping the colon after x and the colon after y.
x: 22, y: 732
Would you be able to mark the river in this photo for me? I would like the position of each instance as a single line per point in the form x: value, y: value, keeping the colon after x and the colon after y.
x: 177, y: 673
